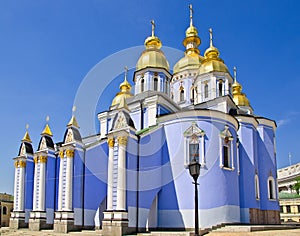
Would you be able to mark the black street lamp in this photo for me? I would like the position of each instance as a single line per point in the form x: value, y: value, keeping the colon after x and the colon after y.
x: 194, y: 168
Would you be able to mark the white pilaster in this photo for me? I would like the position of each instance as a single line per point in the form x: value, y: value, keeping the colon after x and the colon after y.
x: 21, y: 187
x: 42, y: 183
x: 35, y: 184
x: 121, y: 188
x: 16, y: 190
x: 69, y: 181
x: 110, y: 174
x: 60, y: 181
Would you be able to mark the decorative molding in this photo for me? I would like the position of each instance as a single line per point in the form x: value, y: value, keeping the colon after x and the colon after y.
x: 22, y: 164
x: 36, y: 159
x: 43, y: 159
x: 61, y: 154
x: 70, y: 153
x: 122, y: 140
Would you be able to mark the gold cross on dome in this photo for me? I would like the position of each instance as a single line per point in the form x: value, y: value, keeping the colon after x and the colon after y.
x: 211, y: 36
x: 126, y: 71
x: 191, y: 14
x: 153, y: 27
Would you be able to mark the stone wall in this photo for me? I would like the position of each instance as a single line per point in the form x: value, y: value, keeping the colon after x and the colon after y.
x: 258, y: 216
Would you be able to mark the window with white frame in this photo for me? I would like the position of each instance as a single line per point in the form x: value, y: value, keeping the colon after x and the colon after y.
x: 225, y: 143
x: 142, y: 85
x: 194, y: 145
x: 257, y: 195
x: 271, y: 188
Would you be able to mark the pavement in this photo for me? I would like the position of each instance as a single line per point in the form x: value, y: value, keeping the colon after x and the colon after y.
x: 224, y: 231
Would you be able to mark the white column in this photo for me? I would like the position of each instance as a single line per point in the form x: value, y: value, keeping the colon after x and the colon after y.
x: 60, y: 181
x: 42, y: 180
x: 221, y: 152
x: 22, y: 165
x: 121, y: 187
x: 35, y: 184
x: 110, y: 174
x: 69, y: 180
x: 16, y: 192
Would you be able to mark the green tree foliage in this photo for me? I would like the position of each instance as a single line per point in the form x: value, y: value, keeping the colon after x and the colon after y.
x: 296, y: 186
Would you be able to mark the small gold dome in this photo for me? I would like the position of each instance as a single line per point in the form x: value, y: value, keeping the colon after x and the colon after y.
x: 189, y: 61
x: 239, y: 98
x: 125, y: 88
x: 191, y: 32
x: 152, y: 56
x: 212, y: 61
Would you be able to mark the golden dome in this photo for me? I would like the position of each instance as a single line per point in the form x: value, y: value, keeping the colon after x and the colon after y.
x: 239, y: 98
x: 189, y: 61
x: 152, y: 56
x: 125, y: 88
x: 212, y: 61
x: 191, y: 32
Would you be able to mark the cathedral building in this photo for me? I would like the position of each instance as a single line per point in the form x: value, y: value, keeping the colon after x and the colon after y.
x: 133, y: 175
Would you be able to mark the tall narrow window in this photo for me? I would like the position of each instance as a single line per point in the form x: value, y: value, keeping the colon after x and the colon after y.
x: 142, y: 85
x: 194, y: 145
x: 155, y: 84
x: 256, y: 187
x: 220, y: 88
x: 226, y: 156
x: 193, y: 91
x: 194, y: 152
x: 271, y: 188
x: 181, y: 95
x: 206, y: 91
x: 166, y: 89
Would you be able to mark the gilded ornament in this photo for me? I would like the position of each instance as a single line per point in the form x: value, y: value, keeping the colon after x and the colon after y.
x: 43, y: 159
x: 122, y: 140
x: 111, y: 142
x: 36, y: 159
x: 61, y: 154
x: 16, y: 164
x: 22, y: 164
x: 70, y: 153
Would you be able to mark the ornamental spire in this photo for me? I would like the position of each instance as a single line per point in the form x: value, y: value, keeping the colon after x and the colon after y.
x: 26, y: 137
x: 73, y: 121
x: 47, y: 130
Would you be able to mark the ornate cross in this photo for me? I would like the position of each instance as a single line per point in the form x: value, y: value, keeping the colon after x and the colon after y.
x: 191, y: 14
x: 153, y: 27
x: 211, y: 36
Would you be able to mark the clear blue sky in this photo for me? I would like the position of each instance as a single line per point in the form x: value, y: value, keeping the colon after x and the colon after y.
x: 47, y: 48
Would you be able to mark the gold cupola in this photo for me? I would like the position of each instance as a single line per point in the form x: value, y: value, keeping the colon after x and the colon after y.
x: 152, y: 56
x: 125, y: 88
x: 192, y: 58
x: 239, y: 98
x: 212, y: 62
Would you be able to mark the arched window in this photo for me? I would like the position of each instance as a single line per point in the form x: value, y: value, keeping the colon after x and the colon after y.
x: 155, y: 84
x: 194, y: 144
x: 142, y: 85
x: 220, y: 88
x: 257, y: 195
x: 166, y: 86
x: 193, y: 91
x: 226, y: 157
x: 4, y: 210
x: 206, y: 90
x: 271, y: 188
x: 181, y: 95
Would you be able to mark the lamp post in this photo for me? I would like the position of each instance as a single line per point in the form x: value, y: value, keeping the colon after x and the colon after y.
x: 194, y: 168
